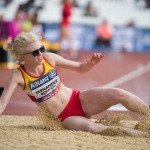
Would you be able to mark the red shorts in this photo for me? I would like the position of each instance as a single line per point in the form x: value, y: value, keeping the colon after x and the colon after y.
x: 73, y: 107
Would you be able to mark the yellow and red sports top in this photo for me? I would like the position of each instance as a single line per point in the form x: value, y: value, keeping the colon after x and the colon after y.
x: 44, y: 87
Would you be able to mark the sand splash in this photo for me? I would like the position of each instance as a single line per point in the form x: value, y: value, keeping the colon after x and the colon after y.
x: 113, y: 120
x: 144, y: 122
x: 47, y: 121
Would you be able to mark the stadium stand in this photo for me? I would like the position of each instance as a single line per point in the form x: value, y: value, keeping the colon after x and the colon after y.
x: 118, y: 12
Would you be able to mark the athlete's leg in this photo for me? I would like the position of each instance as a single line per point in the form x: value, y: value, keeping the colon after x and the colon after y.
x: 65, y: 33
x: 63, y: 36
x: 99, y: 99
x: 68, y: 35
x: 83, y: 124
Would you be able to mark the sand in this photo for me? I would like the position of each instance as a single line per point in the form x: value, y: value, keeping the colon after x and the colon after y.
x: 30, y: 133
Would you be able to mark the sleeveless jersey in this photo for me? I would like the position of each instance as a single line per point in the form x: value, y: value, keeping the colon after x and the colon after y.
x: 44, y: 87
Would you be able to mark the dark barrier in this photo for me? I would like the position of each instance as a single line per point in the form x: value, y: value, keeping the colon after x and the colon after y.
x: 6, y: 60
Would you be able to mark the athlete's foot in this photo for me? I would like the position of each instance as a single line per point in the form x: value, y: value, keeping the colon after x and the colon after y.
x: 121, y: 131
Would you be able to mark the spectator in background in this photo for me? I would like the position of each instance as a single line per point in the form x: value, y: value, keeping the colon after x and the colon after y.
x: 29, y: 4
x: 27, y: 23
x: 16, y: 25
x: 36, y: 26
x: 147, y: 3
x: 4, y: 33
x: 89, y: 10
x: 130, y: 23
x: 7, y: 2
x: 20, y: 14
x: 65, y: 31
x: 10, y: 28
x: 104, y: 34
x: 4, y: 3
x: 27, y: 10
x: 75, y: 3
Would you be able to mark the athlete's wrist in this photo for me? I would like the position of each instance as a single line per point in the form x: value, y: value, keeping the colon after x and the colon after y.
x: 89, y: 62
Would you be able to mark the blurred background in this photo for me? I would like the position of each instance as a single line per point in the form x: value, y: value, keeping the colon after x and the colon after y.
x: 118, y: 28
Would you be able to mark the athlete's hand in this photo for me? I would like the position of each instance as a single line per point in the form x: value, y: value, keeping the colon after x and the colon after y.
x: 95, y: 58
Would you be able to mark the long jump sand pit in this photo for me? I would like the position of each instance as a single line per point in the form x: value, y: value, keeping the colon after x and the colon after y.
x: 32, y: 133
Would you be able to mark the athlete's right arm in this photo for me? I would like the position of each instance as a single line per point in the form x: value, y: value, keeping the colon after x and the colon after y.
x: 12, y: 83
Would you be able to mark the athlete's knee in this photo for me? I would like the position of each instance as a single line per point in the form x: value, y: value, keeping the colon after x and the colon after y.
x: 120, y: 94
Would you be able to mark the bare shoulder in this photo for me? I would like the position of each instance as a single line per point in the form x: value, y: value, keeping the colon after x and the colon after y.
x: 51, y: 57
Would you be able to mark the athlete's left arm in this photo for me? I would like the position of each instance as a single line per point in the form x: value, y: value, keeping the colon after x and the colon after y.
x: 83, y: 67
x: 12, y: 83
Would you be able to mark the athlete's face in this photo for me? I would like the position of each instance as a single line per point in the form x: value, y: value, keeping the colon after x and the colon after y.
x: 34, y: 53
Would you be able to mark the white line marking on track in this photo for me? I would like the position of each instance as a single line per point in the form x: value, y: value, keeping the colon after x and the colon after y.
x: 129, y: 76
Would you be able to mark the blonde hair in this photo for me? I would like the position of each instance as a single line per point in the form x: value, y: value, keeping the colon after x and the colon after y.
x: 18, y: 45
